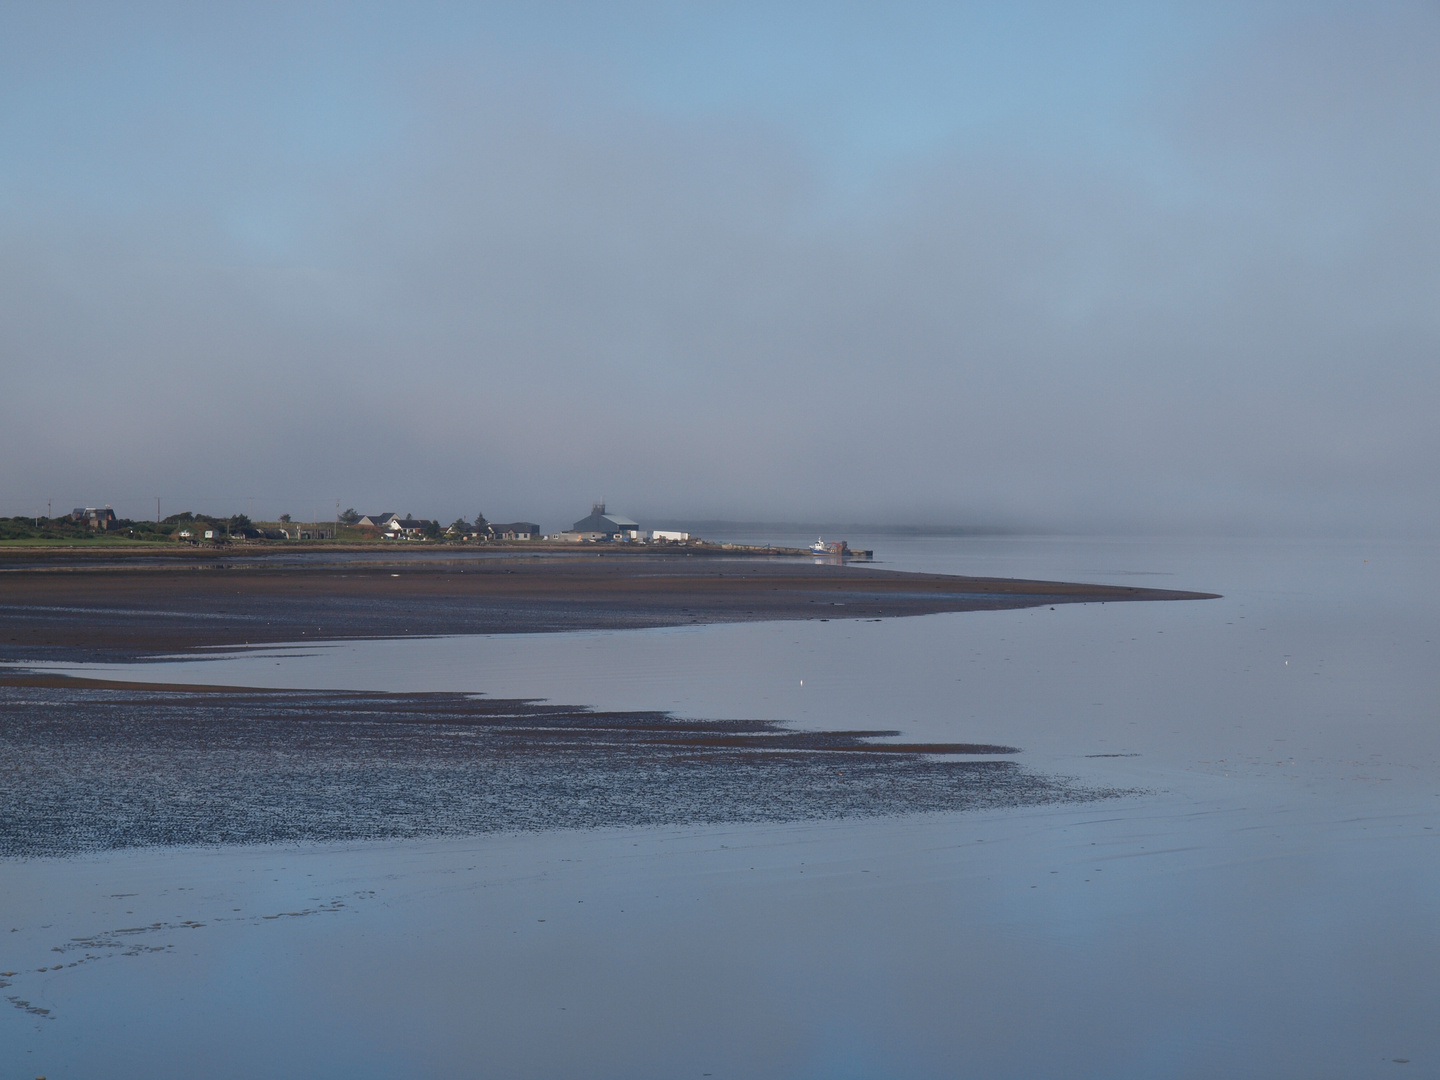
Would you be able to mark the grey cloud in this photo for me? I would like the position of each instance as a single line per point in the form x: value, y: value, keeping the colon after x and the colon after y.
x: 533, y: 292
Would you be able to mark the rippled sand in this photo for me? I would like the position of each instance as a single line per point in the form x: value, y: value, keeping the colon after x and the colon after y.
x: 91, y: 767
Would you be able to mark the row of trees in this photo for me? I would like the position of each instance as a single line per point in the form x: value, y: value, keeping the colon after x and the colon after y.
x: 67, y: 528
x: 45, y: 528
x: 236, y: 526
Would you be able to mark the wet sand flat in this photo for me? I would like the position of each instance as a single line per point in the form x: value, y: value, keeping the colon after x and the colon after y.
x: 88, y: 766
x: 71, y: 609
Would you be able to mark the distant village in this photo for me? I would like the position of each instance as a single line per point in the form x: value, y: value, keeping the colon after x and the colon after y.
x: 599, y: 526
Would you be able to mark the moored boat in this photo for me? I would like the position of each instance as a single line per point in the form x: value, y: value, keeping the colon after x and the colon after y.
x: 838, y: 548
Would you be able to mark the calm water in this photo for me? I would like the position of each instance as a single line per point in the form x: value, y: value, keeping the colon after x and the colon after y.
x: 1271, y: 907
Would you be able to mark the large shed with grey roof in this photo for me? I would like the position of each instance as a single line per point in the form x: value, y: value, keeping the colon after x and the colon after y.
x: 605, y: 523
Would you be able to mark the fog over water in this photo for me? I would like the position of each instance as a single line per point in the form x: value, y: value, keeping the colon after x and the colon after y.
x: 1127, y: 267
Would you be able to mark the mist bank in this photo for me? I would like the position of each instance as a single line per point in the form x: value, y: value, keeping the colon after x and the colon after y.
x: 1169, y: 274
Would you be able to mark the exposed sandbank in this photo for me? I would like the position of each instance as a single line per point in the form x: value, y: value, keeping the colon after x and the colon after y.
x: 91, y: 765
x: 127, y: 607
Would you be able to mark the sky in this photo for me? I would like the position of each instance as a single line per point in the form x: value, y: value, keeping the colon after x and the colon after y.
x: 1100, y: 267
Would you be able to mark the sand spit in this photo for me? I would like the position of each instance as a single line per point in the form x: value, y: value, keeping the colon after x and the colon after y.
x: 88, y: 766
x: 130, y: 607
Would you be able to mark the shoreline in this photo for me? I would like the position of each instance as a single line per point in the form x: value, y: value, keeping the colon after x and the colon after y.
x: 102, y: 544
x: 133, y: 607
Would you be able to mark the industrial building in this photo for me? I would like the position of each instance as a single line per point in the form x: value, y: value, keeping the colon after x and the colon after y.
x: 603, y: 525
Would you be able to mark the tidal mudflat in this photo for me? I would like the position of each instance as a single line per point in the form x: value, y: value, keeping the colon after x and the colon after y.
x: 90, y: 767
x: 116, y: 605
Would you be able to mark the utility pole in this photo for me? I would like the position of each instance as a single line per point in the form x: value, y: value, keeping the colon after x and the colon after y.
x: 157, y: 509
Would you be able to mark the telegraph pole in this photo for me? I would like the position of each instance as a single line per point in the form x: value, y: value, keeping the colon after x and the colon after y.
x: 157, y: 509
